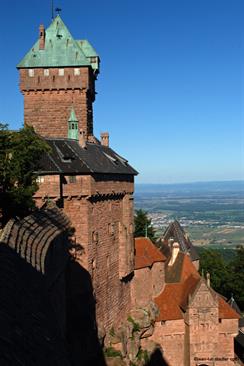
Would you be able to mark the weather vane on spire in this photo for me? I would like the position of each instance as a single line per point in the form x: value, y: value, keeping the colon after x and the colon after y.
x: 57, y: 10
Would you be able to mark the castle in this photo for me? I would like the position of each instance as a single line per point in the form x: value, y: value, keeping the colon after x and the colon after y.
x: 93, y: 185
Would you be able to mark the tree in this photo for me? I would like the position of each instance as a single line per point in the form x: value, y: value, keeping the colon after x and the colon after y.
x: 20, y: 153
x: 212, y: 261
x: 143, y: 225
x: 235, y: 283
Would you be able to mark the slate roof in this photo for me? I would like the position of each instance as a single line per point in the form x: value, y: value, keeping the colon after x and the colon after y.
x: 61, y: 50
x: 68, y: 157
x: 146, y: 253
x: 175, y: 231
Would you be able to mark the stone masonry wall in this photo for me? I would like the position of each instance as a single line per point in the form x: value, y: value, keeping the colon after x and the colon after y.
x: 48, y: 100
x: 170, y: 335
x: 99, y: 210
x: 141, y: 289
x: 158, y: 278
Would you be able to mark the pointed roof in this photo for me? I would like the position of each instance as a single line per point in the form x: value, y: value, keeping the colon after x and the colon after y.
x: 146, y: 253
x: 60, y: 50
x: 72, y: 117
x: 181, y: 287
x: 180, y: 270
x: 175, y: 231
x: 233, y: 304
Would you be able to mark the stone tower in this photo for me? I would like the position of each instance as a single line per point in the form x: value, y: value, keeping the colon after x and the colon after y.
x: 58, y: 76
x: 91, y: 182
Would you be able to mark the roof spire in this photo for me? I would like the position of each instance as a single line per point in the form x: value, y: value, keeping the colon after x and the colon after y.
x: 52, y: 10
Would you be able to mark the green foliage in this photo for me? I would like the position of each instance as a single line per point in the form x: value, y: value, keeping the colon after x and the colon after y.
x: 136, y: 326
x: 112, y: 332
x: 19, y: 160
x: 227, y: 276
x: 143, y: 355
x: 111, y: 352
x: 143, y: 225
x: 236, y: 277
x: 212, y: 261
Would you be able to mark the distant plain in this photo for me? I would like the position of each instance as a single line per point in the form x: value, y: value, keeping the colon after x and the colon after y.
x: 212, y: 213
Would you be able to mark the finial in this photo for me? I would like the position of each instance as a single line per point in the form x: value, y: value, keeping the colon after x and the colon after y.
x: 58, y: 10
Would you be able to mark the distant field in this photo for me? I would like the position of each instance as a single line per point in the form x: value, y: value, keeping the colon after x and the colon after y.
x: 212, y: 213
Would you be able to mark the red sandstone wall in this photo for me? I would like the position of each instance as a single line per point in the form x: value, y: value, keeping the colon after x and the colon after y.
x: 170, y: 335
x: 141, y: 288
x: 209, y: 337
x: 102, y: 213
x: 112, y: 294
x: 158, y: 278
x: 48, y: 100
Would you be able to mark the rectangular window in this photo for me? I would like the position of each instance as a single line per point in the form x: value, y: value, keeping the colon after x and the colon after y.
x: 61, y: 72
x: 76, y: 71
x: 31, y: 72
x: 46, y: 72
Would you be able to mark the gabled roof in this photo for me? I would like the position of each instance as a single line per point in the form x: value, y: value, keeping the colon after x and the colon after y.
x: 146, y: 253
x: 180, y: 270
x: 60, y: 50
x: 173, y: 299
x: 182, y: 279
x: 68, y: 157
x: 175, y: 231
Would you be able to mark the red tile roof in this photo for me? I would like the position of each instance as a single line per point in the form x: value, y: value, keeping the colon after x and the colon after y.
x: 226, y: 311
x: 146, y: 253
x: 173, y: 299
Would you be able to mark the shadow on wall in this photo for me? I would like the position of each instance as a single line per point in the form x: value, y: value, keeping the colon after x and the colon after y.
x: 157, y: 359
x: 81, y: 329
x: 46, y: 323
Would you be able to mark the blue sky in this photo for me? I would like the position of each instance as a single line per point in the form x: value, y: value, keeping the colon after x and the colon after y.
x: 170, y: 91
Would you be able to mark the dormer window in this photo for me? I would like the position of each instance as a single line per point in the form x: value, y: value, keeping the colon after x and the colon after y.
x: 61, y: 72
x: 31, y: 73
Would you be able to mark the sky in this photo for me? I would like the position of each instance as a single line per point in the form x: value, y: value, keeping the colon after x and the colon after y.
x: 170, y: 88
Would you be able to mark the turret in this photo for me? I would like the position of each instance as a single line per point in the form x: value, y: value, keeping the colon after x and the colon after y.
x: 56, y: 73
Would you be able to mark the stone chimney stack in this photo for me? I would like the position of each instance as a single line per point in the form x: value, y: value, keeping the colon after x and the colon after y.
x: 41, y: 37
x: 82, y: 139
x: 105, y: 138
x: 174, y: 253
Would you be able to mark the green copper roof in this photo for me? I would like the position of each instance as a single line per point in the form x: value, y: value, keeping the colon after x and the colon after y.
x: 61, y: 50
x: 73, y: 126
x: 72, y: 117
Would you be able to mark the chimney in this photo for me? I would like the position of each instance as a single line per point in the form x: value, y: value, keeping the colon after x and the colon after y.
x: 82, y: 140
x: 208, y: 279
x: 41, y: 37
x: 105, y: 138
x: 174, y: 253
